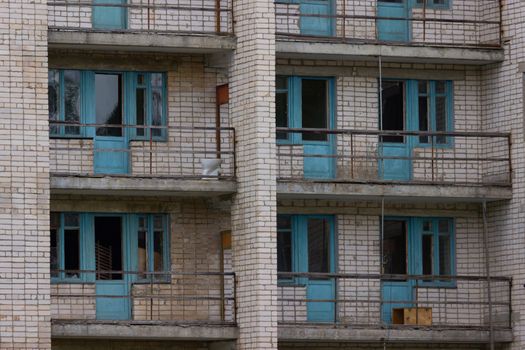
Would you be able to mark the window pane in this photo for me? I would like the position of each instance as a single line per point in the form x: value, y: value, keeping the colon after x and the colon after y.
x: 440, y: 87
x: 284, y: 251
x: 427, y: 254
x: 443, y: 226
x: 427, y: 226
x: 314, y: 108
x: 141, y: 110
x: 108, y: 100
x: 54, y: 254
x: 441, y: 117
x: 393, y: 109
x: 444, y: 256
x: 140, y: 79
x: 284, y: 222
x: 318, y: 245
x: 72, y: 252
x: 394, y: 247
x: 281, y: 109
x: 72, y: 100
x: 158, y: 251
x: 53, y: 87
x: 281, y: 83
x: 156, y: 83
x: 423, y: 117
x: 71, y: 220
x: 142, y: 259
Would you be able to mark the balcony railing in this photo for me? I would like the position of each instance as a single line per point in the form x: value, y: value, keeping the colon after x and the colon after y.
x: 409, y: 157
x: 464, y: 24
x: 364, y: 300
x: 163, y: 16
x: 142, y: 151
x: 177, y: 297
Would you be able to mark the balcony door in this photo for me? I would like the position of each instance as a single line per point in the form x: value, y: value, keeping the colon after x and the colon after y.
x: 308, y: 103
x: 112, y: 284
x: 105, y: 16
x: 316, y: 17
x: 306, y: 245
x: 396, y: 25
x: 111, y: 146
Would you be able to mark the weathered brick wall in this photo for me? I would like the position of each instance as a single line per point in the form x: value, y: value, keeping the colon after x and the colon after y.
x: 357, y: 108
x: 24, y: 175
x: 358, y: 252
x: 195, y: 247
x: 503, y: 108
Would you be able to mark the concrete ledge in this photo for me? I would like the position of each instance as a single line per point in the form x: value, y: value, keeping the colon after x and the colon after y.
x: 140, y: 42
x: 412, y: 192
x: 140, y: 186
x: 389, y: 53
x: 141, y: 331
x: 303, y: 334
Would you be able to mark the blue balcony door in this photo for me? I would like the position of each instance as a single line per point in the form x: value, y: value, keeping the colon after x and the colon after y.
x: 315, y: 254
x: 313, y: 109
x: 398, y: 259
x: 110, y: 141
x: 395, y: 150
x: 397, y: 25
x: 109, y: 17
x: 316, y: 17
x: 111, y: 256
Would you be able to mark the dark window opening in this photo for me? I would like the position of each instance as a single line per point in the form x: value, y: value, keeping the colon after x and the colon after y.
x: 427, y: 254
x: 281, y: 106
x: 314, y: 108
x: 393, y: 109
x: 395, y: 247
x: 108, y: 247
x: 284, y: 244
x: 54, y: 261
x: 318, y: 245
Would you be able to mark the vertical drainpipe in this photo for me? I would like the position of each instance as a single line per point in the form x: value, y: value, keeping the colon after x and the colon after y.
x: 487, y: 271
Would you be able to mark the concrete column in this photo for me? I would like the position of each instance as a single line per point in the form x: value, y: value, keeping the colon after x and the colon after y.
x: 24, y: 177
x: 252, y: 112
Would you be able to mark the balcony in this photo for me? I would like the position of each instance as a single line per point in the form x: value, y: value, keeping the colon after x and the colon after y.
x: 444, y: 309
x: 131, y: 159
x: 138, y: 305
x: 452, y: 32
x: 346, y: 163
x: 163, y: 26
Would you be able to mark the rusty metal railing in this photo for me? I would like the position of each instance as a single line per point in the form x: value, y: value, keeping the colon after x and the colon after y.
x: 149, y: 151
x: 165, y: 16
x: 167, y: 296
x: 463, y: 24
x: 364, y: 300
x: 372, y: 156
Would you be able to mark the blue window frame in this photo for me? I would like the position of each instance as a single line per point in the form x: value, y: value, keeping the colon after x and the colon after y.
x: 152, y: 257
x: 295, y: 107
x: 71, y: 96
x: 73, y: 248
x: 66, y: 246
x: 434, y: 111
x: 433, y: 4
x: 64, y: 87
x: 435, y: 246
x: 298, y: 252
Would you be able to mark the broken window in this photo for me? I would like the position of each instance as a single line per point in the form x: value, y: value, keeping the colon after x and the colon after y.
x: 64, y: 102
x: 152, y: 246
x: 393, y: 109
x: 65, y: 245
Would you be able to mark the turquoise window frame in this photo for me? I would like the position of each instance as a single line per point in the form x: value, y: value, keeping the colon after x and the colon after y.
x: 418, y: 250
x: 432, y: 6
x: 300, y: 247
x: 134, y: 226
x: 62, y: 103
x: 294, y: 107
x: 129, y: 86
x: 432, y: 95
x: 87, y: 244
